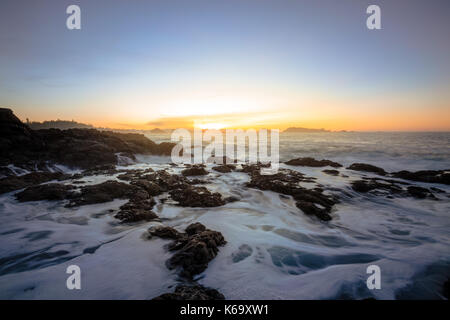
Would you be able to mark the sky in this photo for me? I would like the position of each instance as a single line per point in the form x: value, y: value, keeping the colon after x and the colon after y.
x: 229, y: 63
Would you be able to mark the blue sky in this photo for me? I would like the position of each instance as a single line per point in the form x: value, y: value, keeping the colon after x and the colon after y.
x: 135, y: 62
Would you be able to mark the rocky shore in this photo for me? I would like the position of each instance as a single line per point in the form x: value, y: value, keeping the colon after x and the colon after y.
x: 38, y: 153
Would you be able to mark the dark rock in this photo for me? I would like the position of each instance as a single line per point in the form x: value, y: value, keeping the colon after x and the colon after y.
x: 367, y: 168
x: 224, y: 168
x: 196, y: 170
x: 391, y: 187
x: 192, y: 292
x: 194, y: 228
x: 12, y: 183
x: 311, y: 162
x: 107, y: 191
x: 195, y: 253
x: 152, y: 188
x: 331, y: 172
x: 196, y: 197
x: 194, y: 249
x: 373, y: 184
x: 82, y: 148
x: 165, y: 232
x: 50, y: 191
x: 134, y: 211
x: 430, y: 176
x: 310, y: 208
x: 287, y: 182
x: 420, y: 193
x: 446, y: 289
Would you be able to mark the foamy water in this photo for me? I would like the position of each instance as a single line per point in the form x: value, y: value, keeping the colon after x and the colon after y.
x: 274, y: 251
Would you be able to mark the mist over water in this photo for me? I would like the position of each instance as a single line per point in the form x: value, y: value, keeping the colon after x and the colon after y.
x: 274, y: 251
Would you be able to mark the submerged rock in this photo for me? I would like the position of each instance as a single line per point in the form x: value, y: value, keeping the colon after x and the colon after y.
x: 311, y: 162
x: 367, y: 168
x: 430, y: 176
x: 331, y: 172
x: 391, y: 188
x: 192, y: 292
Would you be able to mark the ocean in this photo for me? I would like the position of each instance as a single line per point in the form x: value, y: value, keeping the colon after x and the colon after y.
x: 273, y: 250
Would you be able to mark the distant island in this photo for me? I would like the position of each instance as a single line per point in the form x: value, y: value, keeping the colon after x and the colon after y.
x: 157, y: 131
x: 299, y: 129
x: 58, y: 124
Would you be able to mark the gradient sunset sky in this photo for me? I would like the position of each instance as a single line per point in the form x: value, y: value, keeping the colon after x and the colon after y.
x: 234, y: 63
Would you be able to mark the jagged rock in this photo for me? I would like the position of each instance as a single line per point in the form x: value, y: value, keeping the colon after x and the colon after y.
x: 194, y: 249
x: 82, y: 148
x: 152, y: 188
x: 331, y: 172
x: 430, y: 176
x: 192, y: 292
x: 287, y: 182
x: 195, y: 170
x: 224, y: 168
x: 165, y: 232
x: 311, y: 162
x: 134, y: 211
x: 392, y: 188
x: 194, y: 228
x: 107, y: 191
x: 12, y: 183
x: 50, y: 191
x: 196, y: 197
x: 367, y: 168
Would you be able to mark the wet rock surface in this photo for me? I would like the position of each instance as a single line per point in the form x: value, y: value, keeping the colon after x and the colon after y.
x: 106, y: 191
x: 429, y: 176
x: 81, y: 148
x: 138, y: 210
x: 50, y: 191
x: 195, y: 170
x: 12, y: 183
x: 192, y: 292
x: 391, y: 188
x: 194, y: 249
x: 311, y: 162
x: 367, y: 168
x: 331, y: 172
x: 196, y: 197
x: 226, y: 168
x: 310, y: 201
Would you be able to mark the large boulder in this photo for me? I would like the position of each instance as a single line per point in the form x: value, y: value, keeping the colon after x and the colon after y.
x: 367, y: 168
